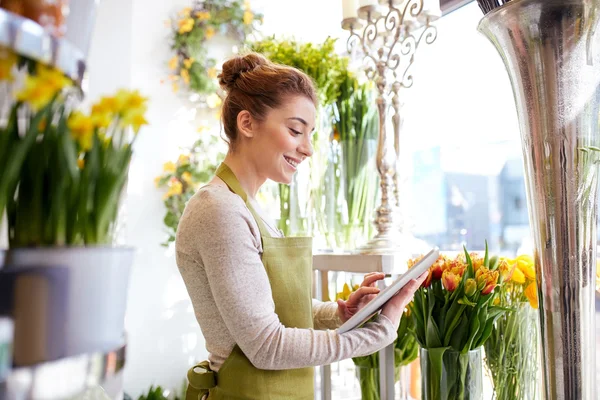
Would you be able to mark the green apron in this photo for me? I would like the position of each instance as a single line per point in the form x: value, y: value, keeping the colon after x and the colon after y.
x: 288, y: 263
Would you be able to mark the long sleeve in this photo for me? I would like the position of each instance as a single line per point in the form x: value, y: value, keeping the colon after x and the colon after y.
x: 325, y: 315
x: 219, y: 256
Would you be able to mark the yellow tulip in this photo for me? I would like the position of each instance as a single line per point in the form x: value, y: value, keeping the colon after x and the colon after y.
x: 210, y: 32
x: 185, y: 75
x: 532, y: 294
x: 169, y: 167
x: 518, y: 276
x: 82, y: 129
x: 187, y: 177
x: 203, y: 15
x: 174, y: 63
x: 248, y: 17
x: 183, y: 159
x: 212, y: 73
x: 213, y: 101
x: 527, y: 266
x: 187, y: 63
x: 185, y: 25
x: 185, y: 12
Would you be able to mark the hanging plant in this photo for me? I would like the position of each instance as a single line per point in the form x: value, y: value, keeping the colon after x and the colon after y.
x: 191, y: 66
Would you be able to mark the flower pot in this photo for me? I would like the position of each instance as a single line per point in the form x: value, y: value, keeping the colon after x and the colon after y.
x: 64, y: 301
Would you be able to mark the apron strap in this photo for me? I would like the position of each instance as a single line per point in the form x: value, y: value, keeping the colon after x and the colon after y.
x: 227, y: 176
x: 200, y: 379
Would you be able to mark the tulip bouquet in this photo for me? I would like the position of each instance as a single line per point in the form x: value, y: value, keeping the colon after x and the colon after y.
x: 63, y: 171
x: 454, y: 312
x: 512, y: 351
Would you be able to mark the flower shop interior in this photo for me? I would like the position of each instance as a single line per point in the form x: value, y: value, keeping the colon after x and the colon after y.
x: 470, y: 126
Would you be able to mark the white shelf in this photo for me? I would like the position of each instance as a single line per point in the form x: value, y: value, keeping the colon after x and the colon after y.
x: 359, y: 263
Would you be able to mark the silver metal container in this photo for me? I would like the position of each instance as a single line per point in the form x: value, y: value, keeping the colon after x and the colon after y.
x: 552, y: 54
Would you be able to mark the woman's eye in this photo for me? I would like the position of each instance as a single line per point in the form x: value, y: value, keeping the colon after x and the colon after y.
x: 295, y: 132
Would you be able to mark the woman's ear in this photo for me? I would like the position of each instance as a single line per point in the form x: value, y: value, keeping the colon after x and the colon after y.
x: 245, y: 124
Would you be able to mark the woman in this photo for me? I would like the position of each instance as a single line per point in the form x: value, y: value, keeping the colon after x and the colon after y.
x: 251, y: 287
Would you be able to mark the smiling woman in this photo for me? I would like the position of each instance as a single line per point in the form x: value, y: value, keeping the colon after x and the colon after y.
x: 251, y: 287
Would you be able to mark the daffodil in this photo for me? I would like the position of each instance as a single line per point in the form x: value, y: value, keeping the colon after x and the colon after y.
x: 174, y: 63
x: 135, y: 119
x: 82, y: 129
x: 41, y: 88
x: 185, y: 25
x: 345, y: 293
x: 157, y: 181
x: 175, y: 188
x: 210, y: 32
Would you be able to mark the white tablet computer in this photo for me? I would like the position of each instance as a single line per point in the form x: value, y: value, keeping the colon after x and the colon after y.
x: 378, y: 302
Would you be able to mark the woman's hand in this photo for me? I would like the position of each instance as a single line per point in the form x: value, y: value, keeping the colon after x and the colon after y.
x: 357, y: 300
x: 395, y: 306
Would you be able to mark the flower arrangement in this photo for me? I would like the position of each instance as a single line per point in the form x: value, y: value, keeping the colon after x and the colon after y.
x: 328, y: 70
x: 454, y: 312
x: 406, y: 350
x: 191, y: 66
x: 182, y: 178
x: 511, y: 351
x: 63, y: 170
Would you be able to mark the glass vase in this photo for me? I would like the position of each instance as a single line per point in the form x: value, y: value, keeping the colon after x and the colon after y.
x: 511, y: 354
x: 447, y: 374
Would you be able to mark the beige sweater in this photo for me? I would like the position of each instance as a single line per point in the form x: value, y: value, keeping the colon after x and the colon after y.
x: 218, y: 251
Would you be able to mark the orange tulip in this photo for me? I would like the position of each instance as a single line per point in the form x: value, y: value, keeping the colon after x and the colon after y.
x: 486, y: 280
x: 506, y: 270
x: 450, y: 280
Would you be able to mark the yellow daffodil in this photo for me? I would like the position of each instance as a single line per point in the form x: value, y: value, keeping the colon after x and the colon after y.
x: 169, y: 167
x: 210, y: 32
x: 8, y: 59
x: 532, y: 295
x: 157, y: 181
x: 185, y: 76
x: 213, y: 101
x: 248, y: 17
x: 185, y: 25
x: 101, y: 120
x: 345, y: 293
x: 174, y: 63
x: 212, y: 73
x: 107, y: 105
x: 187, y: 177
x: 82, y: 129
x: 135, y: 119
x: 36, y: 93
x: 202, y: 15
x: 187, y: 63
x: 183, y: 159
x: 52, y: 77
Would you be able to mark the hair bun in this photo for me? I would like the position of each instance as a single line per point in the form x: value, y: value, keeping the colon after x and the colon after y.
x: 234, y: 67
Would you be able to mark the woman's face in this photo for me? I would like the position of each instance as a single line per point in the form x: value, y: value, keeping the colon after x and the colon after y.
x: 283, y: 139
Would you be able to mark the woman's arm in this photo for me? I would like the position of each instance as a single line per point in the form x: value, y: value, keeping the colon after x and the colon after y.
x: 225, y: 239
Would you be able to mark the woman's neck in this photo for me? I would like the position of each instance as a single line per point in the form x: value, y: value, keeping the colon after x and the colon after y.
x: 246, y: 173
